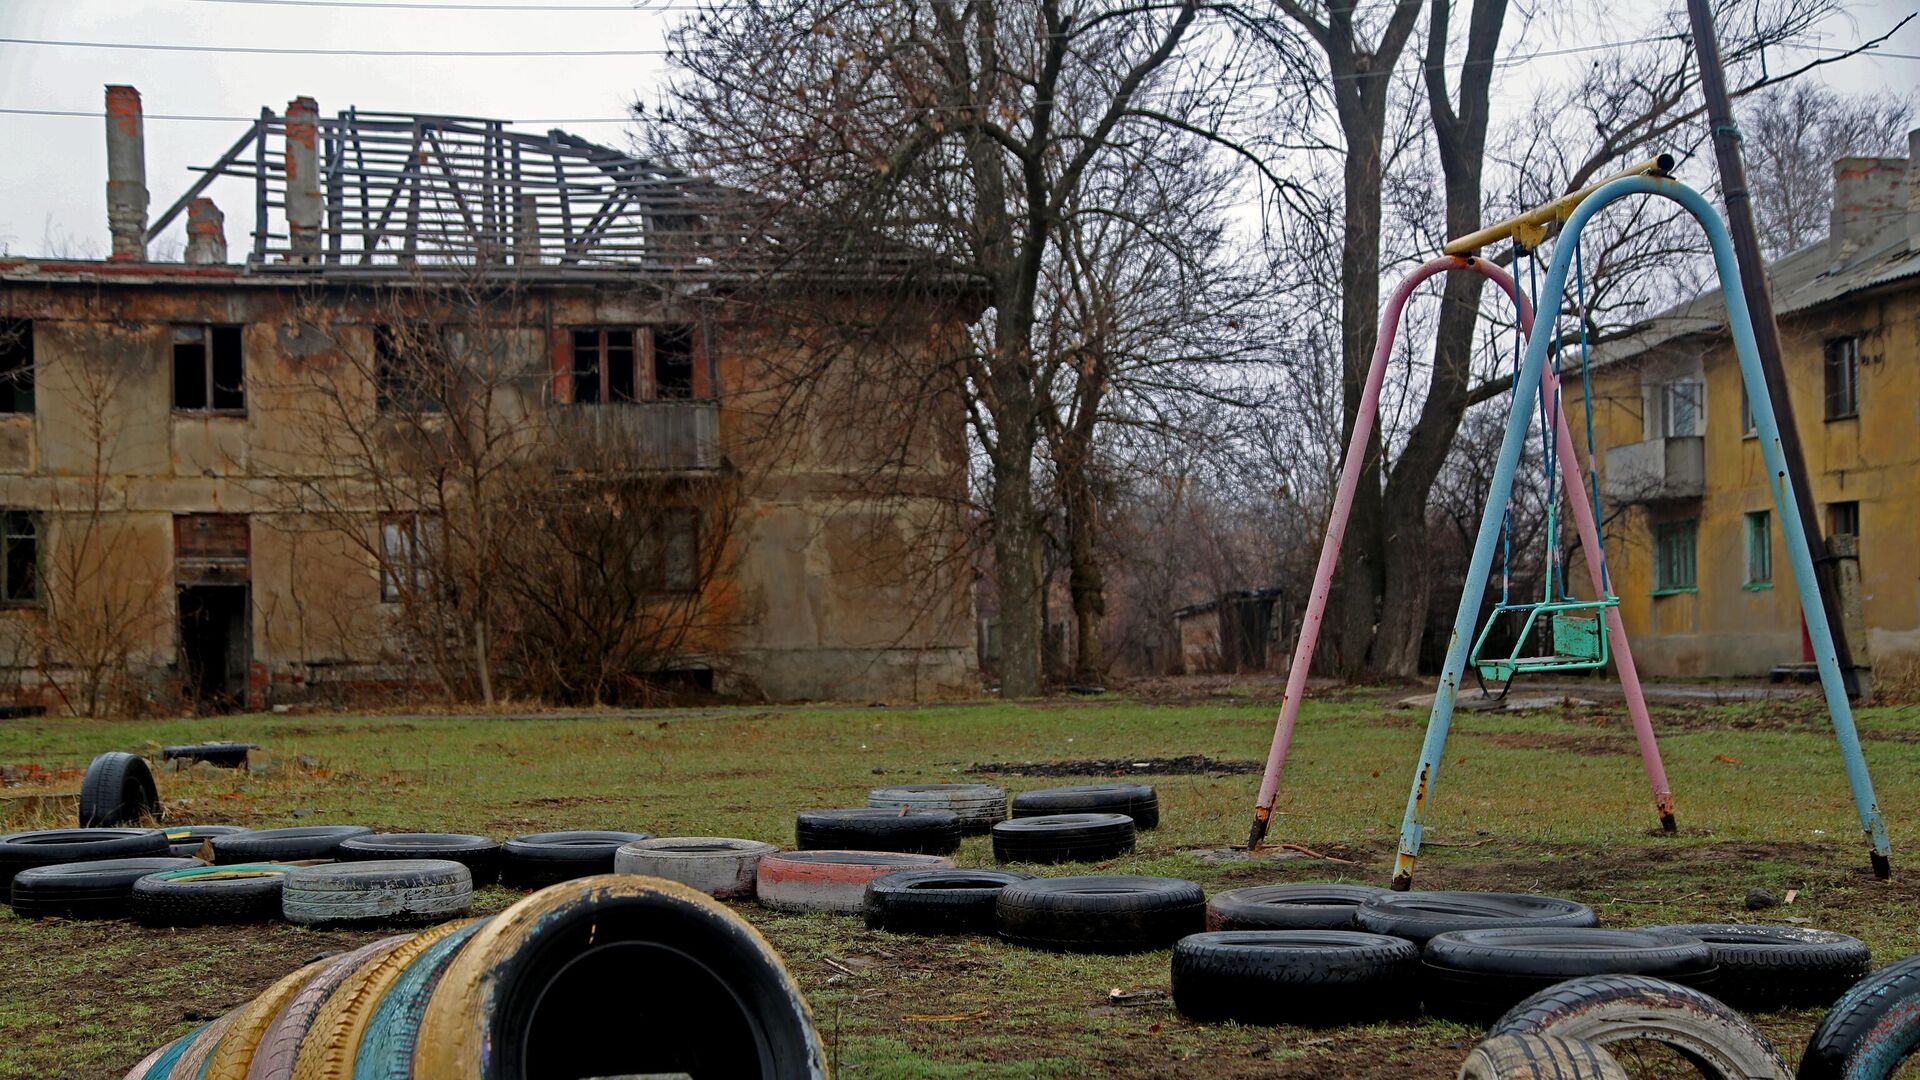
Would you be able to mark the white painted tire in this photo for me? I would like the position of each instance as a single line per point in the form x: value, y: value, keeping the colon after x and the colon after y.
x: 386, y: 890
x: 833, y: 882
x: 979, y: 806
x: 719, y: 866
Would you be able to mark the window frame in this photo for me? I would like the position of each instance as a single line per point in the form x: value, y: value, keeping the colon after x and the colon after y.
x: 1844, y: 508
x: 36, y: 534
x: 387, y: 387
x: 639, y: 349
x: 418, y: 530
x: 1847, y: 349
x: 18, y: 382
x: 1664, y: 398
x: 1759, y: 534
x: 207, y: 384
x: 1666, y: 537
x: 1748, y: 429
x: 569, y: 376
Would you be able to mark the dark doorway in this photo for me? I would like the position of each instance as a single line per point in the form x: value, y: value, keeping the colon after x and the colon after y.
x: 213, y: 646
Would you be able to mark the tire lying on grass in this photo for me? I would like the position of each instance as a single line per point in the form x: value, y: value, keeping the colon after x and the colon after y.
x: 832, y: 882
x: 198, y: 1053
x: 719, y: 866
x: 1475, y: 975
x: 1420, y: 916
x: 1293, y: 976
x: 1540, y: 1057
x: 479, y: 854
x: 202, y: 895
x: 85, y: 890
x: 1058, y: 838
x: 284, y: 845
x: 917, y: 832
x: 118, y: 790
x: 980, y: 806
x: 394, y: 890
x: 187, y: 841
x: 1106, y: 914
x: 617, y: 975
x: 1872, y: 1028
x: 226, y: 755
x: 1288, y: 907
x: 540, y: 859
x: 1624, y: 1009
x: 1137, y: 801
x: 937, y: 901
x: 49, y: 847
x: 1771, y: 967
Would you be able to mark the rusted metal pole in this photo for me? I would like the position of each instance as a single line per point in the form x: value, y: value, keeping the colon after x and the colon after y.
x: 1766, y: 331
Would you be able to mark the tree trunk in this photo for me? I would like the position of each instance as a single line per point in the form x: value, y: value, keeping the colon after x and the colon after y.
x: 1015, y: 572
x: 1084, y: 579
x: 1360, y: 579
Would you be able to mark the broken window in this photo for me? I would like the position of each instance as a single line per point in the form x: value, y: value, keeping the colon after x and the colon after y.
x: 673, y: 362
x: 1843, y: 378
x: 20, y: 550
x: 605, y: 366
x: 668, y: 558
x: 411, y: 364
x: 16, y: 366
x: 208, y: 374
x: 407, y: 545
x: 1843, y: 519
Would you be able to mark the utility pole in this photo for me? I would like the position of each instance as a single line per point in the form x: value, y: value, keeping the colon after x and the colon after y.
x: 1753, y: 282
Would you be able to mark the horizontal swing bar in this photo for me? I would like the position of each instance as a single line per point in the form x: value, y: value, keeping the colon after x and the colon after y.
x: 1530, y: 229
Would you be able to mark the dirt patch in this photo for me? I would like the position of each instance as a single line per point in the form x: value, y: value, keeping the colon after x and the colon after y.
x: 1565, y: 743
x: 1190, y: 765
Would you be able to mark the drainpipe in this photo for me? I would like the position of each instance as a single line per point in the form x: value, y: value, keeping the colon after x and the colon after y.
x: 303, y: 180
x: 126, y: 175
x: 206, y: 233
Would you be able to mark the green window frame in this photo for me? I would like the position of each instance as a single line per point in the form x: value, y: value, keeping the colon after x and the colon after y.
x: 1673, y: 556
x: 1760, y: 550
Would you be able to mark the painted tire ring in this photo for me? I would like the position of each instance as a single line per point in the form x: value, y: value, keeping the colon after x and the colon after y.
x: 332, y: 1042
x: 193, y: 1064
x: 386, y: 1047
x: 716, y: 865
x: 231, y: 1058
x: 831, y: 881
x: 157, y: 1065
x: 274, y: 1058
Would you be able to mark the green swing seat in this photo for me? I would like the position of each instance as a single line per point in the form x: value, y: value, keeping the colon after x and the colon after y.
x: 1578, y: 637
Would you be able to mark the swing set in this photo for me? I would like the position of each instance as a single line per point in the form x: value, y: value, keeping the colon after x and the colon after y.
x: 1579, y: 635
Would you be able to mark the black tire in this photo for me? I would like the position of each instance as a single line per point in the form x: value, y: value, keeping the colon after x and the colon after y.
x: 210, y: 895
x: 186, y: 841
x: 85, y: 890
x: 379, y: 892
x: 227, y: 755
x: 479, y: 854
x: 1540, y: 1057
x: 937, y: 901
x: 1476, y: 975
x: 916, y: 832
x: 284, y: 845
x: 1137, y: 801
x: 1293, y: 976
x: 1288, y: 907
x: 49, y: 847
x: 1421, y: 916
x: 118, y: 790
x: 1774, y: 967
x: 1058, y: 838
x: 1872, y: 1028
x: 1108, y: 914
x: 540, y: 859
x: 1624, y: 1009
x: 980, y: 806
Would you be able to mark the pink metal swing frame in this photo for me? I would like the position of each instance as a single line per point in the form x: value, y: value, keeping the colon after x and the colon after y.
x: 1579, y: 500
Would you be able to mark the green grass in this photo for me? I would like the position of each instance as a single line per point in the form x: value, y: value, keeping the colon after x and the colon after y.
x: 1551, y: 801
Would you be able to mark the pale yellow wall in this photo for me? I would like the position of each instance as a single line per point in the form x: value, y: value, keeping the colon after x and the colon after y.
x: 1725, y: 628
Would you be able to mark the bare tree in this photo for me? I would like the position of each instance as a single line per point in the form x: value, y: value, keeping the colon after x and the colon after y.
x: 1792, y: 135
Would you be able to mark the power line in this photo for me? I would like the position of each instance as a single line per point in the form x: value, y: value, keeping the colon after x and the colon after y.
x: 262, y: 50
x: 96, y: 115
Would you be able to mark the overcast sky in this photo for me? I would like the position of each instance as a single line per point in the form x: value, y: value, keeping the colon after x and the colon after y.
x: 53, y: 168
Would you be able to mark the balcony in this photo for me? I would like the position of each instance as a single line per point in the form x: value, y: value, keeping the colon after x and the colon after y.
x: 649, y: 436
x: 1674, y: 467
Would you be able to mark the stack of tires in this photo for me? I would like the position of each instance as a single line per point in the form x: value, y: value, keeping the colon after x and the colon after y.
x: 552, y: 986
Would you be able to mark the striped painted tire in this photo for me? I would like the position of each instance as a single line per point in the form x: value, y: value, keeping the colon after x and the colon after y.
x: 831, y: 881
x: 716, y: 865
x: 273, y: 1059
x: 386, y: 1046
x: 980, y: 806
x: 385, y: 890
x: 235, y: 1052
x: 192, y: 1065
x: 332, y: 1041
x: 1540, y: 1057
x: 617, y: 975
x: 157, y: 1065
x: 206, y: 895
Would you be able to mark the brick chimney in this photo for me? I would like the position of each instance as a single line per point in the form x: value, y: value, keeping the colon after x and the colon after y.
x: 1870, y: 199
x: 126, y: 175
x: 206, y: 233
x: 303, y: 180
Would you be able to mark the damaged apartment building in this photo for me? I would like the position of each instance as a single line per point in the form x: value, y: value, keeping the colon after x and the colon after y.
x: 482, y: 413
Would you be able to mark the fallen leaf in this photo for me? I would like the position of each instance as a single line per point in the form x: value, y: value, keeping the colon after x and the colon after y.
x: 1726, y: 759
x: 1792, y: 895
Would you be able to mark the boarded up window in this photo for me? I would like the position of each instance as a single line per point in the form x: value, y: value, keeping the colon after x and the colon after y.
x: 16, y: 366
x: 211, y: 548
x: 208, y: 372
